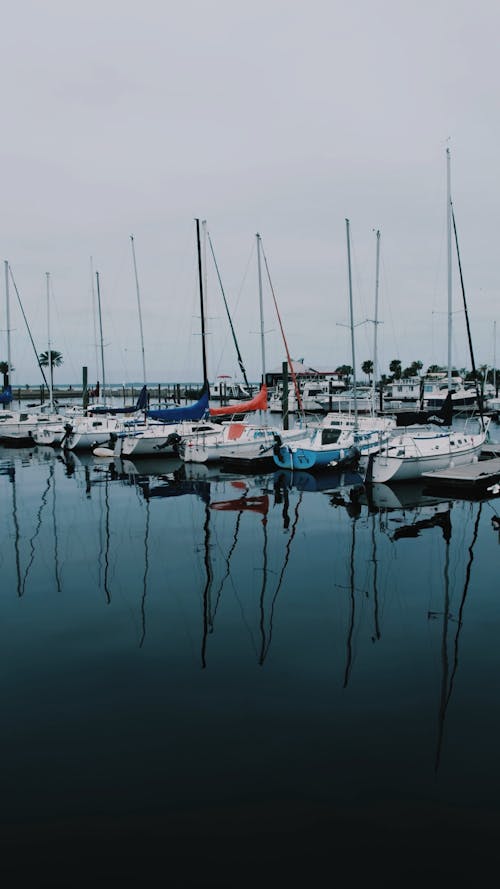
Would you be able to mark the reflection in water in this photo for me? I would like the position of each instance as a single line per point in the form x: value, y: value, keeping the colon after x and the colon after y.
x: 352, y: 599
x: 36, y: 532
x: 286, y: 521
x: 447, y: 686
x: 10, y: 471
x: 104, y: 542
x: 376, y: 619
x: 145, y: 576
x: 246, y: 503
x: 207, y: 617
x: 124, y: 525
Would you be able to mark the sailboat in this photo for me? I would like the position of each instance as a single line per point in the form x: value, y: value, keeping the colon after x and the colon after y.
x: 341, y: 439
x: 20, y: 427
x: 6, y: 393
x: 249, y: 405
x: 163, y: 429
x: 239, y: 442
x: 426, y: 449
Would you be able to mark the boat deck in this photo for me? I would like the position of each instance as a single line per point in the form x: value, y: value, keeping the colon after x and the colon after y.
x: 474, y: 477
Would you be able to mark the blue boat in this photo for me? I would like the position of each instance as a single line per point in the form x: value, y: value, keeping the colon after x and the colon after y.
x: 338, y: 442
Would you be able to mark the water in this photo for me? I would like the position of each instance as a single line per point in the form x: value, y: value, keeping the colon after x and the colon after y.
x: 243, y: 678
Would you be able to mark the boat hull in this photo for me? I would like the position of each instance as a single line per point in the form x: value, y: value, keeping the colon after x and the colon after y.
x: 396, y: 463
x: 305, y: 458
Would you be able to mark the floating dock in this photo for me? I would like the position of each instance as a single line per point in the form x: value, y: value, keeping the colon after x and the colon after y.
x: 473, y: 479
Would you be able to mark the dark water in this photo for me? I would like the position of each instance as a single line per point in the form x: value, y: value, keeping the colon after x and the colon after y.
x: 244, y: 680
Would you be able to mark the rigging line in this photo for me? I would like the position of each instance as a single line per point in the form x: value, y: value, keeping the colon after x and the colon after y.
x: 66, y: 344
x: 139, y: 310
x: 476, y: 382
x: 290, y: 363
x: 238, y: 353
x: 394, y: 335
x: 27, y: 327
x: 245, y: 275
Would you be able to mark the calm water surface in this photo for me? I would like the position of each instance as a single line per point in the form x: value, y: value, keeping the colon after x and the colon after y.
x: 244, y: 679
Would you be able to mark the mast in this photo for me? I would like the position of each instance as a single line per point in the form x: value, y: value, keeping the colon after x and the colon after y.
x: 261, y: 307
x: 49, y: 347
x: 448, y: 227
x: 495, y: 357
x: 375, y: 357
x: 7, y: 316
x: 352, y: 326
x: 102, y: 343
x: 204, y: 266
x: 144, y: 378
x: 94, y: 317
x: 202, y: 309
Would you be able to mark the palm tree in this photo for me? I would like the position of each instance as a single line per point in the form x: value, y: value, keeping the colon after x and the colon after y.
x: 4, y: 370
x: 56, y: 359
x: 367, y: 368
x: 345, y: 371
x: 395, y: 368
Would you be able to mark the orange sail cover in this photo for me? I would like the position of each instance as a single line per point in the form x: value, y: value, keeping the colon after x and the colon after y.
x: 257, y: 403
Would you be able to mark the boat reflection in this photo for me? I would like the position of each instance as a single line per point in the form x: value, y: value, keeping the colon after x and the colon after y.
x: 258, y: 503
x: 325, y: 481
x: 448, y: 672
x: 228, y: 546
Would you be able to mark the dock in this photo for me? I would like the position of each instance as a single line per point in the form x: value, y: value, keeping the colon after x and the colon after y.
x: 473, y: 479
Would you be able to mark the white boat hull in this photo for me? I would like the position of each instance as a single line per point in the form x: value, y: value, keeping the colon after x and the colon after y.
x: 251, y: 443
x: 86, y: 435
x: 409, y: 457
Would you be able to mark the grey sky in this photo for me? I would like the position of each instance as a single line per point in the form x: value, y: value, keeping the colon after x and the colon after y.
x: 284, y: 118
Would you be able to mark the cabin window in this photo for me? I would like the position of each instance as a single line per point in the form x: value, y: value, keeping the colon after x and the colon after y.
x: 330, y: 436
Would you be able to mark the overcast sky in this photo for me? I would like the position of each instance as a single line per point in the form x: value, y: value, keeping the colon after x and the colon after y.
x: 283, y: 118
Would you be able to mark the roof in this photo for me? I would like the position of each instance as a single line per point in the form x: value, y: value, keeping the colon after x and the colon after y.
x: 300, y: 368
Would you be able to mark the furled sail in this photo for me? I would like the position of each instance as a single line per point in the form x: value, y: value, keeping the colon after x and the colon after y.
x: 140, y: 405
x: 257, y: 403
x: 188, y: 412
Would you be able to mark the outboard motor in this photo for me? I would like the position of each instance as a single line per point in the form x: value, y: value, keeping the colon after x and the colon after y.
x: 68, y: 429
x: 278, y: 444
x: 173, y: 440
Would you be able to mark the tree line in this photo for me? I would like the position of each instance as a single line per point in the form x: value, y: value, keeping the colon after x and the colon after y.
x: 483, y: 374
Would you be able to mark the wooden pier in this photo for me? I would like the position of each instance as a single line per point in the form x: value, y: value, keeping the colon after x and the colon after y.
x: 473, y: 479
